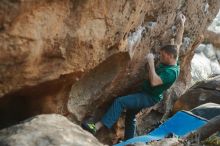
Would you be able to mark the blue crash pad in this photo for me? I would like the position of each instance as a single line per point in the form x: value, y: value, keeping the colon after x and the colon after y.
x: 180, y: 124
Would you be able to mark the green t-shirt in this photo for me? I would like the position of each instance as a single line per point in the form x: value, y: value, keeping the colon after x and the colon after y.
x: 168, y: 74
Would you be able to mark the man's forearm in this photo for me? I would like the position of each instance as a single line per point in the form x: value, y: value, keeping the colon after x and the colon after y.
x: 179, y: 36
x: 154, y: 79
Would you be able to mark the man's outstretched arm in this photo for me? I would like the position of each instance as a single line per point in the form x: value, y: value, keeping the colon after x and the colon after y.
x: 179, y: 37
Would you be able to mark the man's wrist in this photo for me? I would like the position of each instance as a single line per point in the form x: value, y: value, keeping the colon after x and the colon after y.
x: 151, y: 64
x: 182, y: 23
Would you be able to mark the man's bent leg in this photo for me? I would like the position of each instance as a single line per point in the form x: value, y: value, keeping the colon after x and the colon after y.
x: 130, y: 121
x: 114, y: 112
x: 130, y: 124
x: 134, y: 102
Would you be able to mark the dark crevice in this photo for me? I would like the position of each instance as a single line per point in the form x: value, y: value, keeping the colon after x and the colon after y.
x: 150, y: 18
x: 44, y: 98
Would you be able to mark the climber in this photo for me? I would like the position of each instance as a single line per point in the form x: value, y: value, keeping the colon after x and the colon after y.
x: 159, y: 80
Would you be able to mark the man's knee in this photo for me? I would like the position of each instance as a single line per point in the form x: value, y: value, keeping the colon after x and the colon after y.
x: 119, y: 100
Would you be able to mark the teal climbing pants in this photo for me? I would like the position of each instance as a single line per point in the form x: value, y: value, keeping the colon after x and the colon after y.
x: 133, y: 104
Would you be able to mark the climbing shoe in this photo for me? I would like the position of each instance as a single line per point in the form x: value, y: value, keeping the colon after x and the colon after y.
x: 89, y: 126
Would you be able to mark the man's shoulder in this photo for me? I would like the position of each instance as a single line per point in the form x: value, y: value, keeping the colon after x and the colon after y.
x: 172, y: 68
x: 169, y: 70
x: 175, y: 68
x: 172, y: 72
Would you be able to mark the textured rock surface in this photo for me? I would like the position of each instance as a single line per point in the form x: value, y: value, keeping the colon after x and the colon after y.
x: 201, y: 93
x: 74, y: 57
x: 47, y: 39
x: 44, y: 130
x: 204, y: 63
x: 215, y: 27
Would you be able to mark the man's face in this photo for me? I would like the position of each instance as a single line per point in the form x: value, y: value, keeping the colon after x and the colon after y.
x: 164, y: 57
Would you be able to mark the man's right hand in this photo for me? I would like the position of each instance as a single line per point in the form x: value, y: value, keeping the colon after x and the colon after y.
x: 179, y: 36
x: 181, y: 18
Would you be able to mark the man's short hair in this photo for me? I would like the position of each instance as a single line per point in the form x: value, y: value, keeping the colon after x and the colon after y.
x: 170, y: 49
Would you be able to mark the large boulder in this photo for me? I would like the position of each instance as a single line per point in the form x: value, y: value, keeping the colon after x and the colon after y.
x: 207, y: 111
x: 202, y: 92
x: 44, y: 130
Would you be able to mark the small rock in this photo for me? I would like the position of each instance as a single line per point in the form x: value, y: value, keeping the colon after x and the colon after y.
x: 209, y: 51
x: 200, y: 48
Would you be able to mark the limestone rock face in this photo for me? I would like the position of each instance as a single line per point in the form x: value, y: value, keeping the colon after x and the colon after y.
x: 74, y: 57
x: 43, y: 40
x: 44, y: 130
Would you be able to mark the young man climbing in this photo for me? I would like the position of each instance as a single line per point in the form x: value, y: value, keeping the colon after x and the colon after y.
x: 159, y: 80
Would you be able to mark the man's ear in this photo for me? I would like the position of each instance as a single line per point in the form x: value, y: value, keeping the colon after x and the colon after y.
x: 172, y: 56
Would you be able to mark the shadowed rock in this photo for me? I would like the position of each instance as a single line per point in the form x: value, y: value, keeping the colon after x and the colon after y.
x: 201, y: 93
x: 207, y: 111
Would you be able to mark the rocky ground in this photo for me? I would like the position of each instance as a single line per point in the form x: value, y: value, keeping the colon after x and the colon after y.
x: 44, y: 130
